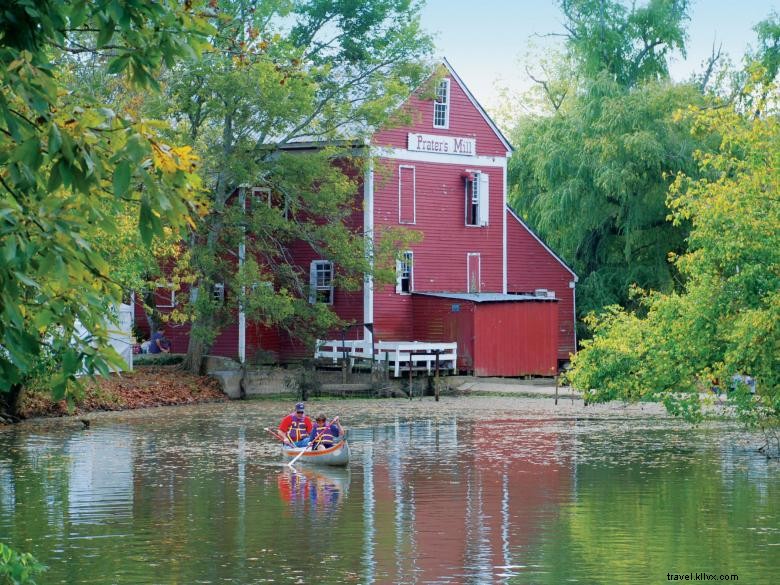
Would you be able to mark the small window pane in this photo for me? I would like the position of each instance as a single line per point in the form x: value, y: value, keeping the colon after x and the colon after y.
x: 441, y: 104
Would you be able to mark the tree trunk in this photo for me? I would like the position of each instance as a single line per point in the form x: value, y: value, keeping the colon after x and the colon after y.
x: 151, y: 314
x: 196, y: 349
x: 10, y: 402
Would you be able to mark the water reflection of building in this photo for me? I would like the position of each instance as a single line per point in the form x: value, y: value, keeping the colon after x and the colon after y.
x: 100, y: 479
x: 460, y: 504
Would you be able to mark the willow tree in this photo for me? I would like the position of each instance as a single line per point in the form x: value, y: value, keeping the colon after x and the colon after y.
x: 322, y: 72
x: 592, y: 172
x: 68, y: 163
x: 724, y: 322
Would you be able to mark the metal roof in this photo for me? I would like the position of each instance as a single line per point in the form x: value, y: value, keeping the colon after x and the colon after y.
x: 486, y: 297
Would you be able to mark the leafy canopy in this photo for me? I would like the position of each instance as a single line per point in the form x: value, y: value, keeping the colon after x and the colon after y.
x: 724, y: 322
x: 282, y: 75
x: 591, y: 172
x: 69, y: 164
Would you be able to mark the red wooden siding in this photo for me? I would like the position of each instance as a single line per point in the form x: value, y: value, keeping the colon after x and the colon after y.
x: 440, y: 259
x: 465, y: 121
x: 446, y: 320
x: 531, y: 266
x: 348, y: 305
x: 516, y: 339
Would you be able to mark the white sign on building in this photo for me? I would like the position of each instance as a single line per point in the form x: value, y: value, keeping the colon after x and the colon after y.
x: 442, y: 144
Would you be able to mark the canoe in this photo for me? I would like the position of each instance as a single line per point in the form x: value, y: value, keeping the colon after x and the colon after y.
x: 336, y: 456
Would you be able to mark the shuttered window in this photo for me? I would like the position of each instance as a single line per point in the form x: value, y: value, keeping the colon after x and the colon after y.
x: 441, y: 105
x: 406, y: 194
x: 477, y: 199
x: 321, y: 282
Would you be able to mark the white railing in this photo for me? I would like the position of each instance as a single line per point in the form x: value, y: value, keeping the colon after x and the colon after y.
x: 396, y: 354
x: 336, y: 349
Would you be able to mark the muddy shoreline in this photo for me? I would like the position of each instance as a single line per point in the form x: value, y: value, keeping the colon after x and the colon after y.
x: 356, y: 410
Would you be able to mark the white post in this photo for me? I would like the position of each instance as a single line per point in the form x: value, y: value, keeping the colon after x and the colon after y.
x: 368, y: 230
x: 241, y: 258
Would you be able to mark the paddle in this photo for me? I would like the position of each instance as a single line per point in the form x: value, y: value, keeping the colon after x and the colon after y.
x: 298, y: 456
x: 275, y: 435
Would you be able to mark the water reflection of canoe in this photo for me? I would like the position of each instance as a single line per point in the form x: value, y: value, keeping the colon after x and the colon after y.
x: 322, y: 488
x: 336, y: 456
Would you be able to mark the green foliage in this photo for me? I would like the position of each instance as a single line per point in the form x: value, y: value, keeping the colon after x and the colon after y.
x: 725, y: 320
x: 591, y: 172
x: 592, y: 180
x: 18, y: 568
x: 629, y: 45
x: 157, y: 359
x: 282, y: 74
x: 70, y: 165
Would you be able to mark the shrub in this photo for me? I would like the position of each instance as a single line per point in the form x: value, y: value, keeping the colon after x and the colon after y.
x: 18, y: 568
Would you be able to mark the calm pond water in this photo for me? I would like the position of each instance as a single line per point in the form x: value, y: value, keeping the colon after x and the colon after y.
x: 469, y: 490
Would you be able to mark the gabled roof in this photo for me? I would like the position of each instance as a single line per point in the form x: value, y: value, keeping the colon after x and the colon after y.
x: 538, y: 239
x: 479, y: 107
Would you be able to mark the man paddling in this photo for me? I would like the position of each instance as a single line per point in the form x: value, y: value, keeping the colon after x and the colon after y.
x: 296, y: 427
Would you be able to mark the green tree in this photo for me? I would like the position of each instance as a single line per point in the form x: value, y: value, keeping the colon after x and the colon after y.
x: 68, y: 163
x: 591, y: 173
x: 724, y: 322
x: 281, y: 74
x: 630, y: 45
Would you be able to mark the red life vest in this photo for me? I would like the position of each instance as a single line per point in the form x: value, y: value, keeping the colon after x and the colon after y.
x: 297, y: 429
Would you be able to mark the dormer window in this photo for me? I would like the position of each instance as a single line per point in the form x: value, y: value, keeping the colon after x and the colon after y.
x: 441, y: 105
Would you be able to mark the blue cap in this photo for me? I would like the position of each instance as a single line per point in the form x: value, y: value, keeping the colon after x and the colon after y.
x: 299, y: 406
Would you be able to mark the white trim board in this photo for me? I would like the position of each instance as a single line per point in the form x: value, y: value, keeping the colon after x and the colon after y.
x: 368, y: 229
x: 414, y: 194
x: 432, y: 157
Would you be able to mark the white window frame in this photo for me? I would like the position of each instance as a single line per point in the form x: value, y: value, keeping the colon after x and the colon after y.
x: 173, y: 296
x: 469, y: 257
x: 404, y: 268
x: 314, y: 287
x: 443, y: 104
x: 261, y: 195
x: 477, y: 188
x: 414, y: 194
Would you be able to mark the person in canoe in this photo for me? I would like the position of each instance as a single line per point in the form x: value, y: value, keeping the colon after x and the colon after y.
x: 325, y: 434
x: 296, y: 427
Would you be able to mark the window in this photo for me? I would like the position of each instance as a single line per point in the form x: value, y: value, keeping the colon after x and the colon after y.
x: 321, y: 282
x: 264, y: 196
x: 218, y: 292
x: 261, y: 195
x: 164, y: 296
x: 404, y: 283
x: 477, y: 198
x: 441, y: 105
x: 406, y: 194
